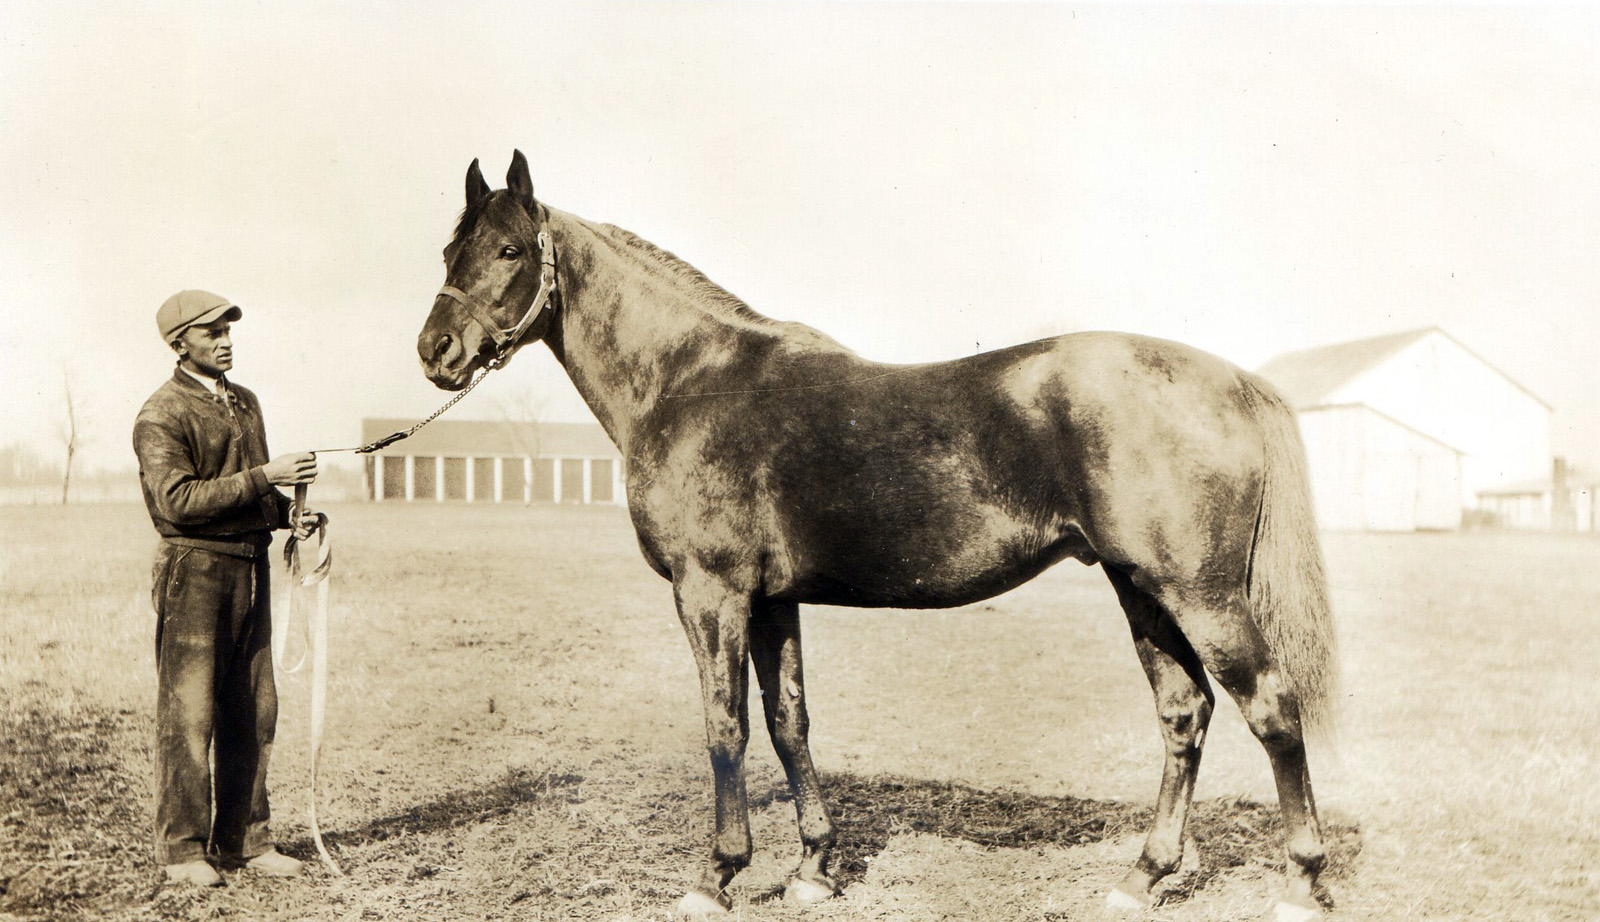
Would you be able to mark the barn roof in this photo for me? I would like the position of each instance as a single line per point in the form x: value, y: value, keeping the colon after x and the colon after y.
x: 1361, y: 407
x: 1308, y: 376
x: 461, y: 437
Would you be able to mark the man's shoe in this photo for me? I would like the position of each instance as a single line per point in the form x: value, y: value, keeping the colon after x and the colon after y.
x: 198, y: 873
x: 273, y: 863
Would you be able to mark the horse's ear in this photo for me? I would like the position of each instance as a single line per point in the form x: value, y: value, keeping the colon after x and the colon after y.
x: 518, y: 182
x: 476, y: 187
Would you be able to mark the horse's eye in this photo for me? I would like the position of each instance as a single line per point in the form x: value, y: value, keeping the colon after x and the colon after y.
x: 510, y: 252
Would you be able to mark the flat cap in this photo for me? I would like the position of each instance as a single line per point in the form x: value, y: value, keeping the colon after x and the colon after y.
x: 192, y: 306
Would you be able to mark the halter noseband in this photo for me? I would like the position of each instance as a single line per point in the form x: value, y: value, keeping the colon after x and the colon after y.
x: 505, y: 339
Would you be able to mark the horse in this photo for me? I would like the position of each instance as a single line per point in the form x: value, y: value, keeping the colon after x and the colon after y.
x: 767, y: 466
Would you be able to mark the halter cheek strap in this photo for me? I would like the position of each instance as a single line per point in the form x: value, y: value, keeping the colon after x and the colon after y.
x: 507, y: 338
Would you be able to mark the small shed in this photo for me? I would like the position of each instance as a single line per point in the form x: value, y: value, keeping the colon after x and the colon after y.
x: 1567, y: 500
x: 493, y: 462
x: 1404, y: 432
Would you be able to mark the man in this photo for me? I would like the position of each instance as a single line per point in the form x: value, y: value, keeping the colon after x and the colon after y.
x: 211, y: 493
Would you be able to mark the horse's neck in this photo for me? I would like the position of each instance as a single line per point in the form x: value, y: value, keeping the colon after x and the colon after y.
x: 635, y: 325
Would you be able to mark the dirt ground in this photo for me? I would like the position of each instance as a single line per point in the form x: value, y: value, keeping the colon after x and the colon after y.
x: 515, y: 733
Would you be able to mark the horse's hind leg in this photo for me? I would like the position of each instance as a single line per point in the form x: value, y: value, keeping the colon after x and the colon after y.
x: 775, y: 652
x: 1183, y: 702
x: 1237, y: 656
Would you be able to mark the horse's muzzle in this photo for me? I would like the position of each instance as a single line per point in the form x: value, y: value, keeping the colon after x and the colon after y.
x: 444, y: 359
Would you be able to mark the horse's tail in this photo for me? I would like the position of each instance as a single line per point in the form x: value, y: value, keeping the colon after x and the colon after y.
x: 1288, y: 583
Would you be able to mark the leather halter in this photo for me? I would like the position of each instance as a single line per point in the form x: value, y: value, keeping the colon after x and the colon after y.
x: 507, y: 338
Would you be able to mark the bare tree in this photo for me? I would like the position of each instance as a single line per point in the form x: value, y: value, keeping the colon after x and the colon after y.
x: 68, y: 435
x: 522, y: 413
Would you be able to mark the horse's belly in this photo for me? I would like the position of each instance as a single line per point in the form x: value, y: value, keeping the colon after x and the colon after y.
x: 930, y: 570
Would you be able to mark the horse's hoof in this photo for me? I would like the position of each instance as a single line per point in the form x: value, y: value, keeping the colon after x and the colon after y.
x: 802, y: 892
x: 1286, y: 911
x: 697, y: 905
x: 1120, y: 901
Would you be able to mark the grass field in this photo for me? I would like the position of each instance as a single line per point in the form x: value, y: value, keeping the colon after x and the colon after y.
x: 515, y: 734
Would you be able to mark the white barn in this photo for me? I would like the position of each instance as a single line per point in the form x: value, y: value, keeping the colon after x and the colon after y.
x: 1405, y: 431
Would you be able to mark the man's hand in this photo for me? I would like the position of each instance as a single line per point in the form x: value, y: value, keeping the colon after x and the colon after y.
x: 308, y: 522
x: 288, y: 470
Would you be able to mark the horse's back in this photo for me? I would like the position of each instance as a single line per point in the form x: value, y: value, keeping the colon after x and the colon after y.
x: 860, y: 483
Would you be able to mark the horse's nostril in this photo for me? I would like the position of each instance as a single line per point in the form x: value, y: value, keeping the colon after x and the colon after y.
x: 442, y: 347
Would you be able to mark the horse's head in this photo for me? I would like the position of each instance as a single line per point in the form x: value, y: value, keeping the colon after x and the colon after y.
x: 496, y: 269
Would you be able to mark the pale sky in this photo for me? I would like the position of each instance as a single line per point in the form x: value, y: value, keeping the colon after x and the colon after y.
x: 918, y: 180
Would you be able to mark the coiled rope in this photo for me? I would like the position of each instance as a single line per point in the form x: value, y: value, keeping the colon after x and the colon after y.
x: 316, y: 641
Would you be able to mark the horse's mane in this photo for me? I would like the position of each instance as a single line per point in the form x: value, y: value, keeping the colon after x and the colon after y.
x: 469, y: 218
x: 707, y: 291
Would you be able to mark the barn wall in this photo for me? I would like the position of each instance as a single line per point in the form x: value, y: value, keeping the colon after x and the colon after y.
x: 1439, y: 490
x: 1439, y: 388
x: 1334, y: 451
x: 1369, y: 473
x: 1414, y: 481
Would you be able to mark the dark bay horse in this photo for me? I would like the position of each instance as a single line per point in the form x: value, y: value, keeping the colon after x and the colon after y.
x: 769, y: 466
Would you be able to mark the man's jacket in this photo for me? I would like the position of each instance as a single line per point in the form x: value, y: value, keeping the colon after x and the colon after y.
x: 200, y: 467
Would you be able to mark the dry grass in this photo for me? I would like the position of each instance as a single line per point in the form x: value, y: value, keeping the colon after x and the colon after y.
x: 516, y: 735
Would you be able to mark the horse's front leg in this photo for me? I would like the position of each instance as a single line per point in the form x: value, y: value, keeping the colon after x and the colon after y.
x: 716, y: 617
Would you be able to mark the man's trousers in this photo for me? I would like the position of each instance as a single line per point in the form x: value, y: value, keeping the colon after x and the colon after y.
x: 215, y: 684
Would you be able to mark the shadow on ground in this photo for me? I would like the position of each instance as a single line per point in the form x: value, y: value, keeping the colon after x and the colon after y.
x: 869, y: 810
x: 517, y: 789
x: 74, y: 839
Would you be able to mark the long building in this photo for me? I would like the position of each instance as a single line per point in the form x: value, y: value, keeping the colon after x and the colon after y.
x: 493, y: 462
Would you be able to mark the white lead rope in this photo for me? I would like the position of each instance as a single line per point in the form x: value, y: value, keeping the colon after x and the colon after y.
x: 316, y: 642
